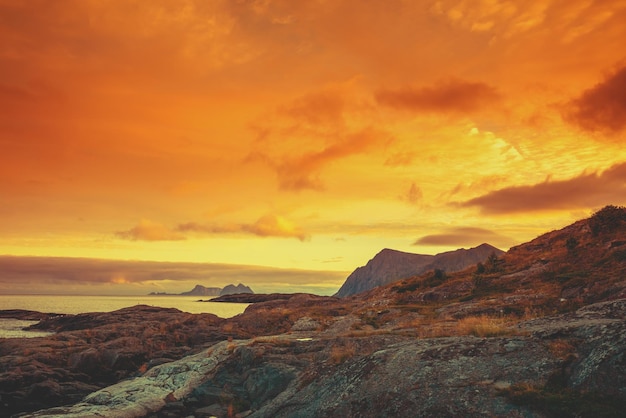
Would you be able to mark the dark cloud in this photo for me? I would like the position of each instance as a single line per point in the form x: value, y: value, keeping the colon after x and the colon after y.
x: 59, y: 274
x: 269, y: 225
x: 448, y: 96
x: 601, y: 108
x: 462, y: 236
x: 587, y: 191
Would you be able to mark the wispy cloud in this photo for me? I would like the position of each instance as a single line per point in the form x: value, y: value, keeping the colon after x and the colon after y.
x: 269, y: 225
x: 303, y: 172
x: 586, y: 191
x: 325, y: 126
x: 147, y: 230
x: 446, y: 96
x: 414, y: 195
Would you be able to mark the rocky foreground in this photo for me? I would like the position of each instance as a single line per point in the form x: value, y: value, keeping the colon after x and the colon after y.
x: 565, y: 364
x: 537, y: 332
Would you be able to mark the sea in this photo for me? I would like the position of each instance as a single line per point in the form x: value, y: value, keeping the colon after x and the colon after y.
x: 74, y: 304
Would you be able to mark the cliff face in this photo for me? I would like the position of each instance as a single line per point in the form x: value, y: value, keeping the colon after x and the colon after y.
x: 391, y: 265
x: 387, y: 266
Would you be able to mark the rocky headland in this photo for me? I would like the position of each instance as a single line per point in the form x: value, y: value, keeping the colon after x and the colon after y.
x: 537, y: 332
x: 390, y: 265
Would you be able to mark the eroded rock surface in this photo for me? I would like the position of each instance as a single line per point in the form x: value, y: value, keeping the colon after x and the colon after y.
x: 384, y: 374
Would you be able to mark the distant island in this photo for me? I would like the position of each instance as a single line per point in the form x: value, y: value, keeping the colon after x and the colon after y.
x: 200, y: 290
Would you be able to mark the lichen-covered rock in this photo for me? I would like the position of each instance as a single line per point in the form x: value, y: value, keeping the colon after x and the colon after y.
x: 379, y: 375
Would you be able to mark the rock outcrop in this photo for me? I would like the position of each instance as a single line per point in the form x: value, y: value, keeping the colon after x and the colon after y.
x: 91, y: 351
x: 391, y: 265
x: 324, y: 374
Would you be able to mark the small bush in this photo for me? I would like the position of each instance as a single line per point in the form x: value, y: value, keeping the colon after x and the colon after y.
x: 494, y: 264
x: 435, y: 278
x: 571, y: 244
x: 607, y: 219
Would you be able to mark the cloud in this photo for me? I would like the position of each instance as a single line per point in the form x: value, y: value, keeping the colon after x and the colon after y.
x: 446, y: 96
x: 601, y: 108
x: 401, y: 159
x: 465, y: 236
x: 325, y: 107
x: 148, y: 230
x: 56, y: 275
x: 413, y: 195
x: 492, y: 16
x: 275, y: 226
x: 587, y: 191
x: 270, y: 225
x: 302, y: 137
x: 302, y: 172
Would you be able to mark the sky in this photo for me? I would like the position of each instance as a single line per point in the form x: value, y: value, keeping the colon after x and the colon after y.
x: 283, y: 143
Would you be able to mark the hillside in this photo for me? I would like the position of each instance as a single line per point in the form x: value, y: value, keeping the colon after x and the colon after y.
x: 391, y: 265
x: 536, y: 332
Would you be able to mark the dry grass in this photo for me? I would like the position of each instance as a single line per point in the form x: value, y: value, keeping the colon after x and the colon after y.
x: 274, y: 340
x: 483, y: 326
x: 561, y: 348
x: 341, y: 353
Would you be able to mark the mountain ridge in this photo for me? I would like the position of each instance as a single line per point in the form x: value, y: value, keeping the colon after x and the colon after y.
x: 389, y: 265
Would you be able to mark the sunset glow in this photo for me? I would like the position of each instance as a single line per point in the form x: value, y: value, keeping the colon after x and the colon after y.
x: 300, y: 137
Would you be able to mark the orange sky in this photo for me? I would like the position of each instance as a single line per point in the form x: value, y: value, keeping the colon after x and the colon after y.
x: 303, y: 135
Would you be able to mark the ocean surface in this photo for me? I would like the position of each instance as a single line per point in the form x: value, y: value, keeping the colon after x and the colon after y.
x: 10, y: 328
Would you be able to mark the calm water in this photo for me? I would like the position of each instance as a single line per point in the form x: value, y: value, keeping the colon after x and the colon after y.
x: 82, y: 304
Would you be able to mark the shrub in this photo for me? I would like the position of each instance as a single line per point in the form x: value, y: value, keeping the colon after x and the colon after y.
x: 435, y: 278
x: 571, y: 244
x: 607, y: 219
x: 494, y: 264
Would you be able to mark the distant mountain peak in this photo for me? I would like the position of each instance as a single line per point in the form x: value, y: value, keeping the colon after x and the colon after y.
x: 200, y: 290
x: 232, y: 289
x: 390, y: 265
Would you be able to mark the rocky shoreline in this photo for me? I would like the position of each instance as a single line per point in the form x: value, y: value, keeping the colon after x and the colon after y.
x: 304, y: 372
